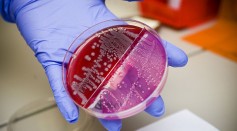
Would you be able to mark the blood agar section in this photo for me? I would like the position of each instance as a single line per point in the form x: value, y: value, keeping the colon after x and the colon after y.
x: 116, y: 69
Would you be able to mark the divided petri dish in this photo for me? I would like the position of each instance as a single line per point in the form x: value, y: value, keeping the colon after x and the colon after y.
x: 115, y: 69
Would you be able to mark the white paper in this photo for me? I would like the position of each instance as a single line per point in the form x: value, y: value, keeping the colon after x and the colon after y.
x: 180, y: 121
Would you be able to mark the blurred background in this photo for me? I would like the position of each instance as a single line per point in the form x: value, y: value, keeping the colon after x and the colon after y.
x: 205, y: 29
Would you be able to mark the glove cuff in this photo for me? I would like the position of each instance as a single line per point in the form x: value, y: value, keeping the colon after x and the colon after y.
x: 5, y: 10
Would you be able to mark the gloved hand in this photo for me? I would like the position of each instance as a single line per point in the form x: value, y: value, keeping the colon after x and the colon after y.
x: 50, y: 26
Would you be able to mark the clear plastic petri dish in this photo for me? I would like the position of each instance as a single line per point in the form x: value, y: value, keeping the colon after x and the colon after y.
x: 115, y: 69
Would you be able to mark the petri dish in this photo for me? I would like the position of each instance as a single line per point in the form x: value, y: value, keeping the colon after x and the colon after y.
x: 115, y: 69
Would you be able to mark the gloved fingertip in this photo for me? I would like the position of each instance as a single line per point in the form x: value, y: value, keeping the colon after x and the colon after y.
x: 157, y: 108
x: 180, y: 60
x: 68, y: 109
x: 111, y: 125
x: 73, y: 120
x: 72, y: 116
x: 176, y: 56
x: 158, y: 113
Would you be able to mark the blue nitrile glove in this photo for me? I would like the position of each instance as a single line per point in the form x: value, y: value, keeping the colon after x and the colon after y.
x: 50, y: 26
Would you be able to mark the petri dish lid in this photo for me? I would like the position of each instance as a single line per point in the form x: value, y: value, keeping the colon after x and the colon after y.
x: 115, y: 69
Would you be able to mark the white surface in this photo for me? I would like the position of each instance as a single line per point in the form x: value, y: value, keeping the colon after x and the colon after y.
x: 207, y: 87
x: 150, y: 22
x: 22, y: 78
x: 123, y: 8
x: 3, y: 129
x: 51, y: 120
x: 181, y: 121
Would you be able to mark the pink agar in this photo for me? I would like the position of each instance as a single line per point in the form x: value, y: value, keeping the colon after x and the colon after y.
x: 117, y: 72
